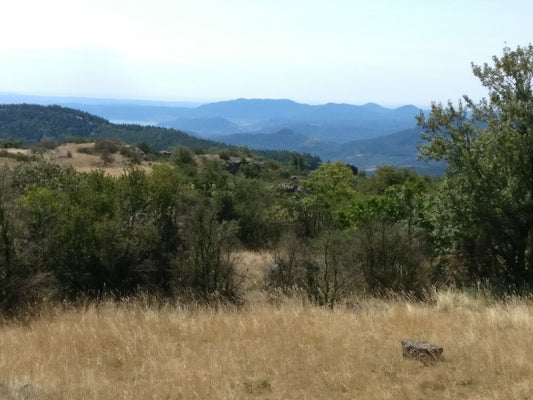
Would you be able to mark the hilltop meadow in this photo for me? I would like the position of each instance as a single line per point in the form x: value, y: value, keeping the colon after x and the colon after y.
x: 213, y: 272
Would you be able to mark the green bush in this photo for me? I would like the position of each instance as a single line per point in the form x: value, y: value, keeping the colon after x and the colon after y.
x: 78, y: 140
x: 224, y: 155
x: 10, y: 143
x: 102, y: 146
x: 45, y: 144
x: 132, y: 153
x: 391, y: 258
x: 207, y: 268
x: 182, y: 156
x: 323, y: 268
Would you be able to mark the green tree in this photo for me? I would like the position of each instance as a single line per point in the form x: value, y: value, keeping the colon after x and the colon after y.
x: 328, y: 190
x: 483, y: 212
x: 389, y: 240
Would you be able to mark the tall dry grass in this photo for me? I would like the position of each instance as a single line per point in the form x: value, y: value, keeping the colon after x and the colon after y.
x: 289, y: 350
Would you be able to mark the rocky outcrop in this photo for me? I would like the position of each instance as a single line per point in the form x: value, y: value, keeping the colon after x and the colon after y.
x: 232, y: 166
x: 354, y: 169
x: 422, y: 351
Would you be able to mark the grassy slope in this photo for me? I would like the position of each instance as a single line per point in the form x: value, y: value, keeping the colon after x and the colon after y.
x: 266, y: 351
x: 81, y: 162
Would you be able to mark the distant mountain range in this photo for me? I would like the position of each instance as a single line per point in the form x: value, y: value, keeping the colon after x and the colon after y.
x: 367, y: 136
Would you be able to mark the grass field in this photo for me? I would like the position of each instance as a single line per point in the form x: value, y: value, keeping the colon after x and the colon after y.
x: 68, y: 155
x: 287, y: 350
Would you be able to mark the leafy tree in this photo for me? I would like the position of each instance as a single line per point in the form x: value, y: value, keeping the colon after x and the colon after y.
x: 383, y: 178
x: 304, y: 161
x: 327, y: 191
x: 483, y: 212
x: 389, y: 240
x: 207, y: 266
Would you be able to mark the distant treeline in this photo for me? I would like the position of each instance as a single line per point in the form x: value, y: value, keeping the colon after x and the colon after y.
x: 158, y: 138
x: 311, y: 161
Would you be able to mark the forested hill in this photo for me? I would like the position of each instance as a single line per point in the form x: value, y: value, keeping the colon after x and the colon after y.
x: 31, y: 123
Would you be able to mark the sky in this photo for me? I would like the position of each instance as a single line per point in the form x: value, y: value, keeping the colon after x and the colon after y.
x: 312, y: 51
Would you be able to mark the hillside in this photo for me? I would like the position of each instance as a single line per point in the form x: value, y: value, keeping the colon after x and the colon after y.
x: 335, y: 122
x: 398, y: 149
x: 285, y: 139
x: 33, y: 123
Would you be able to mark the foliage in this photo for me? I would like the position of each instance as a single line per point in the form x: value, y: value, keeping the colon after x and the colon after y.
x: 483, y: 212
x: 391, y: 257
x: 301, y: 160
x: 327, y: 190
x: 10, y: 143
x: 182, y: 156
x: 385, y: 177
x: 157, y: 137
x: 207, y: 267
x: 304, y: 161
x: 31, y: 123
x: 44, y: 145
x: 322, y: 268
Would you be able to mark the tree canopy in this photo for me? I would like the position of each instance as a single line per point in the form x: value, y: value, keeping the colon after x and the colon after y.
x: 483, y: 212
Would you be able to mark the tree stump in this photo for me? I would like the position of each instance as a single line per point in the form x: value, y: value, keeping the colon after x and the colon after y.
x: 422, y: 351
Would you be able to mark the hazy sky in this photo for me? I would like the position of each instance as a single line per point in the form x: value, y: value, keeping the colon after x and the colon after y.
x: 388, y: 52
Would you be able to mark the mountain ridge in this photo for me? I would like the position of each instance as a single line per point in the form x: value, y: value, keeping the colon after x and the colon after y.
x: 346, y: 121
x: 381, y: 136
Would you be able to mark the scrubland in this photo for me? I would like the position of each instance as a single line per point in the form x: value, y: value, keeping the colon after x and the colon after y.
x: 266, y: 349
x: 69, y: 154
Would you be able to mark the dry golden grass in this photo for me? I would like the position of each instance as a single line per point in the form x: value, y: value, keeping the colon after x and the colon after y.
x: 8, y: 162
x: 265, y: 351
x: 81, y: 162
x: 252, y: 265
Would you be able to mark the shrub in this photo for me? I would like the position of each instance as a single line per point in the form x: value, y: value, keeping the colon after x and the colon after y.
x: 182, y: 156
x: 207, y: 268
x: 323, y: 268
x: 78, y: 140
x: 132, y: 153
x: 103, y: 146
x: 44, y: 144
x: 10, y: 143
x: 224, y: 155
x: 86, y: 150
x: 198, y: 150
x: 288, y: 269
x: 106, y: 157
x: 391, y: 258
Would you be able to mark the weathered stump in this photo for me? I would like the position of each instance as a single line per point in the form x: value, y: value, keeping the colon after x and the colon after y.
x: 422, y: 351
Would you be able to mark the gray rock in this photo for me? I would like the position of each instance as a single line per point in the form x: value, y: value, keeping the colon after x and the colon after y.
x: 422, y: 351
x: 30, y: 392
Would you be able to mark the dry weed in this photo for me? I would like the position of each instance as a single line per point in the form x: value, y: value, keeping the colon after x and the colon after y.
x: 263, y: 351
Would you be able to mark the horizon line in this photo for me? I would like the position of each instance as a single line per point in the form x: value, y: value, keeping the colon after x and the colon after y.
x: 199, y: 102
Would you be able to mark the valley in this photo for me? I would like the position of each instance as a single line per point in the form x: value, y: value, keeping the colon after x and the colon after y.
x: 368, y: 135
